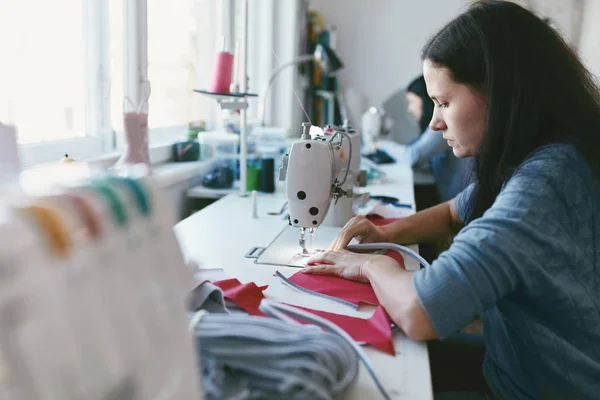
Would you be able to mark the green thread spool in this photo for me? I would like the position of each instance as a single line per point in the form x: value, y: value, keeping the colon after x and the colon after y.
x: 252, y: 177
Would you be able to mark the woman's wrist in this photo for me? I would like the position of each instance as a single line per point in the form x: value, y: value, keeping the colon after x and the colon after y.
x: 391, y: 232
x: 376, y: 263
x: 387, y: 233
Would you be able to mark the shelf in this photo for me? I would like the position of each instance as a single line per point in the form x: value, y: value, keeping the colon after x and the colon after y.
x: 203, y: 192
x: 224, y: 96
x: 228, y: 101
x: 236, y: 156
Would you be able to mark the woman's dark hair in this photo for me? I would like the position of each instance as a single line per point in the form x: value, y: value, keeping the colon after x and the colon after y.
x: 538, y: 91
x: 419, y: 88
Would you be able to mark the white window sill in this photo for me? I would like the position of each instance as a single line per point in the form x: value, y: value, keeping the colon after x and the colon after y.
x: 172, y: 173
x: 166, y: 171
x: 40, y: 178
x: 158, y: 155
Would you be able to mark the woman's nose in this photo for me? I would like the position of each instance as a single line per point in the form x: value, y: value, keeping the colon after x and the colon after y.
x: 437, y: 124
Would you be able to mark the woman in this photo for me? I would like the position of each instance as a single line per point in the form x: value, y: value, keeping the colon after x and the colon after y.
x: 419, y: 104
x: 509, y: 92
x: 430, y: 148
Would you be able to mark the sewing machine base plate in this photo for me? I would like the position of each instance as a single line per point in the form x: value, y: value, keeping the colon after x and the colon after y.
x: 285, y: 250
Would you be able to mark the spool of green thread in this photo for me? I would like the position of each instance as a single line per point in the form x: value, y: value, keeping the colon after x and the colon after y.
x: 252, y: 177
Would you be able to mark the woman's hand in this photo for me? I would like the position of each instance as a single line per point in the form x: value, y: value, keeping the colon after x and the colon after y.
x: 345, y: 264
x: 391, y: 283
x: 361, y: 228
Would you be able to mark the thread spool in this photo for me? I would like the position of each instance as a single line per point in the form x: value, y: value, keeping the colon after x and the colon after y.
x: 252, y: 176
x: 267, y: 175
x: 221, y: 78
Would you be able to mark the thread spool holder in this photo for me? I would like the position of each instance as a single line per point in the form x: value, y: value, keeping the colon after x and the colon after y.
x: 229, y: 101
x: 238, y: 100
x: 235, y: 101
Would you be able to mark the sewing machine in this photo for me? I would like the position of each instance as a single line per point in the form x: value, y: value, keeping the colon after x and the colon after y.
x: 321, y: 173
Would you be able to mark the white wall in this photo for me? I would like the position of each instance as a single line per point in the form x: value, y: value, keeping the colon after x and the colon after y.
x: 590, y: 35
x: 286, y: 44
x: 380, y: 44
x: 380, y: 40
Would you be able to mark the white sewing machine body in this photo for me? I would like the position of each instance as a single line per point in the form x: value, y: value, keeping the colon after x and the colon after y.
x: 345, y: 207
x: 313, y: 167
x: 375, y: 126
x: 322, y: 172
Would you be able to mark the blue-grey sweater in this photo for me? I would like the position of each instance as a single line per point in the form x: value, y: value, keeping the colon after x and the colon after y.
x: 531, y: 266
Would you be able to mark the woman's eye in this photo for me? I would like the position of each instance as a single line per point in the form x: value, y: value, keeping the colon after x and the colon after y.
x: 444, y: 105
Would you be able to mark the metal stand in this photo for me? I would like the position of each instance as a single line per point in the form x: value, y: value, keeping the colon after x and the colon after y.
x: 238, y: 101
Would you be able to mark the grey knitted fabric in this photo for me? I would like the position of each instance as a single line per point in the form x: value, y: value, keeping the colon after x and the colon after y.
x: 247, y: 357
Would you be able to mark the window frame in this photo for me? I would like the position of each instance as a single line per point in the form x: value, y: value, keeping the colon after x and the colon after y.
x: 98, y: 135
x: 136, y: 64
x: 100, y: 140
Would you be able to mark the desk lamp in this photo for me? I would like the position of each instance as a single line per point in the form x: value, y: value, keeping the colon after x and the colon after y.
x: 325, y: 56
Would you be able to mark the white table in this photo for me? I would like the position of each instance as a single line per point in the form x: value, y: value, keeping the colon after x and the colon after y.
x: 221, y: 234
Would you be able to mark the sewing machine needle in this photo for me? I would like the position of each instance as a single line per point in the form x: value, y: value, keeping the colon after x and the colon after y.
x: 302, y: 241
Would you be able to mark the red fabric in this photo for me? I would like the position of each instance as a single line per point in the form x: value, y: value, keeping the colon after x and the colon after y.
x: 390, y: 253
x: 351, y: 291
x: 375, y: 331
x: 379, y: 220
x: 246, y: 295
x: 354, y: 292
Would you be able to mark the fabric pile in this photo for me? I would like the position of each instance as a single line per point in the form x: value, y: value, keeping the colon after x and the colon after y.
x: 252, y: 357
x: 248, y: 357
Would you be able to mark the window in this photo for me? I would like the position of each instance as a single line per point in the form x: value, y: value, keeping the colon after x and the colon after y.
x: 45, y: 75
x: 67, y: 67
x: 181, y: 48
x: 116, y: 54
x: 42, y: 69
